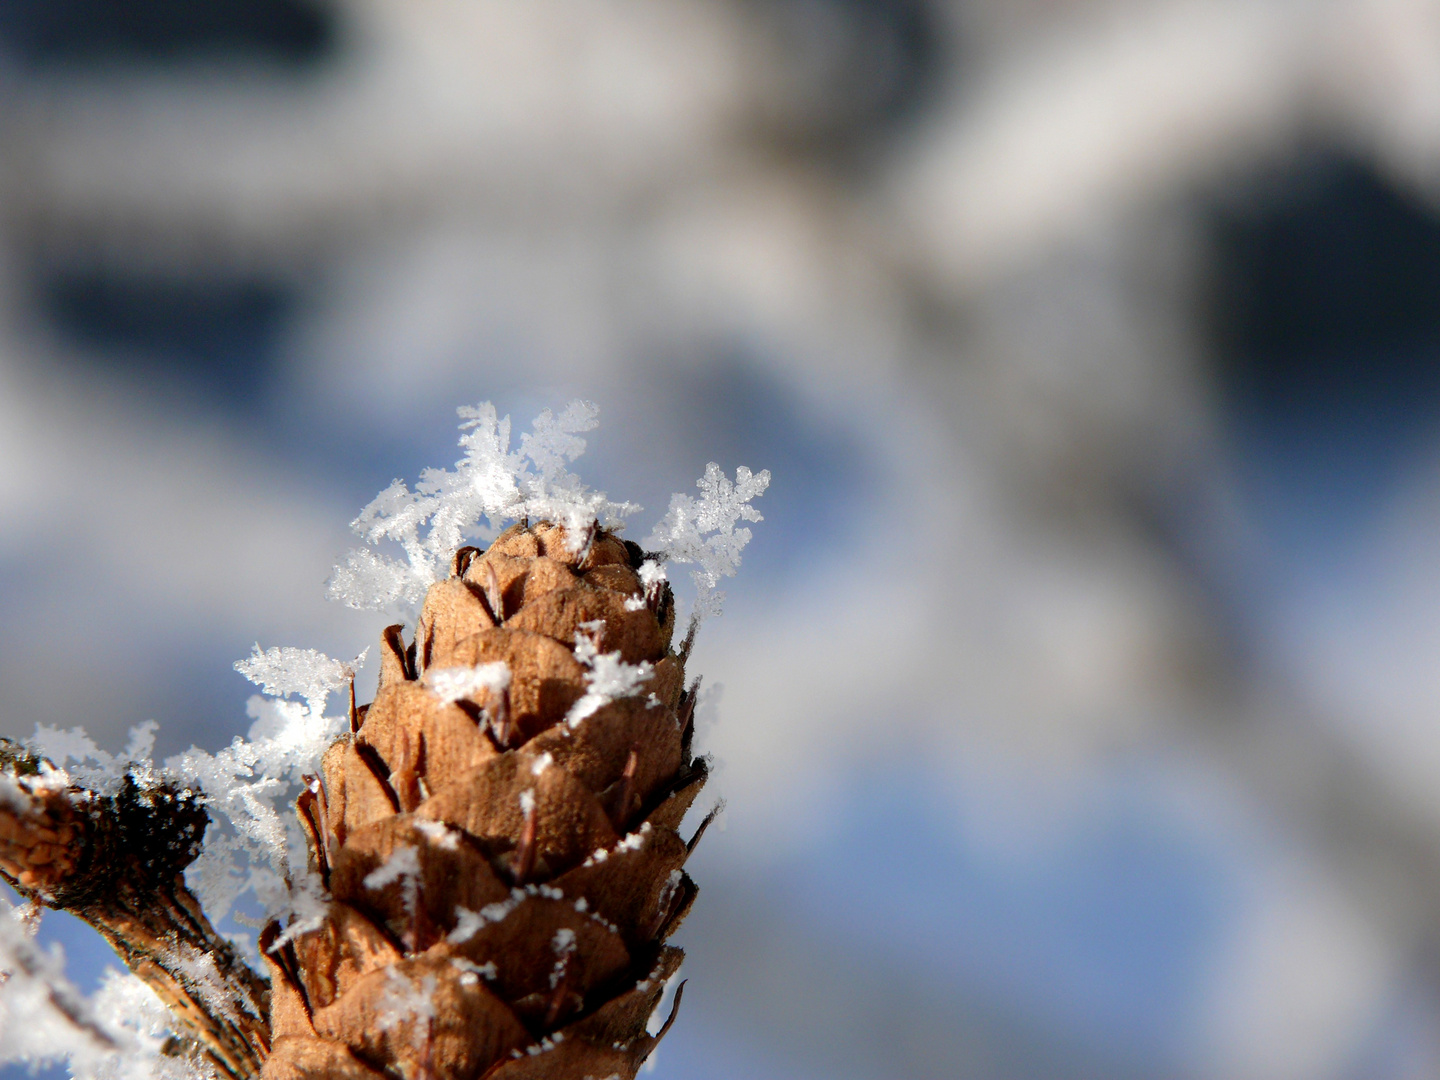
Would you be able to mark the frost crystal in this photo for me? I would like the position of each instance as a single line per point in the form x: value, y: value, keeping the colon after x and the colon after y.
x: 402, y: 866
x: 563, y: 945
x: 404, y: 1000
x: 257, y: 846
x: 81, y: 761
x: 468, y: 923
x: 437, y: 833
x: 201, y: 973
x: 458, y: 683
x: 117, y: 1034
x: 307, y: 673
x: 489, y: 486
x: 703, y: 531
x: 608, y: 679
x: 473, y: 972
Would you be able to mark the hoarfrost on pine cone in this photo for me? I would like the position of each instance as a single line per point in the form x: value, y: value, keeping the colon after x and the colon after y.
x: 254, y: 844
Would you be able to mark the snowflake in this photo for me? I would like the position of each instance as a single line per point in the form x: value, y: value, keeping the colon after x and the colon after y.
x: 404, y: 1000
x: 458, y: 683
x: 307, y: 673
x: 607, y: 679
x: 490, y: 485
x: 703, y: 531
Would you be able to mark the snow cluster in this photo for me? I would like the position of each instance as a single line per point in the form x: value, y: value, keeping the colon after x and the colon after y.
x: 307, y: 673
x: 468, y: 923
x: 403, y: 866
x: 254, y: 844
x: 492, y: 485
x: 703, y: 530
x: 437, y: 833
x: 563, y: 945
x: 78, y: 760
x: 607, y: 678
x: 458, y: 683
x: 404, y: 1000
x: 488, y: 487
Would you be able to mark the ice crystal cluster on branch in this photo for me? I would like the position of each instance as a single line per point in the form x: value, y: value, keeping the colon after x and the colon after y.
x: 66, y: 806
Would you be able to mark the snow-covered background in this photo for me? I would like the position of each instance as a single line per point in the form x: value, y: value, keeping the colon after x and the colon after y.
x: 1079, y: 711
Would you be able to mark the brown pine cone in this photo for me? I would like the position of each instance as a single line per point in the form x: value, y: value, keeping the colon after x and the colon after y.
x: 503, y: 860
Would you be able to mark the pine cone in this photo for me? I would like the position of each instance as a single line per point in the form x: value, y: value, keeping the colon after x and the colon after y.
x: 502, y: 878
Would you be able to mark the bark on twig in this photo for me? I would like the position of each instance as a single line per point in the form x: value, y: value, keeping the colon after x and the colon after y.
x: 115, y: 861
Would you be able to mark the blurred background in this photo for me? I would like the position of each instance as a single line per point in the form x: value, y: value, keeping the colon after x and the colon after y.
x: 1081, y: 690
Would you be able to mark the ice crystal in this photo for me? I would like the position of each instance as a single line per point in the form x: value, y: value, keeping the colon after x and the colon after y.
x: 473, y: 972
x: 202, y: 974
x: 563, y: 945
x: 117, y: 1034
x: 493, y: 485
x: 458, y: 683
x: 703, y: 530
x: 403, y: 866
x: 404, y: 999
x: 250, y: 784
x: 80, y: 761
x: 490, y: 486
x: 307, y: 673
x: 437, y: 833
x: 608, y: 679
x: 468, y: 923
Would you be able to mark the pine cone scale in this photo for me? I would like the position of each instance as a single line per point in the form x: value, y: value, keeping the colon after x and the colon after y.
x: 308, y: 1057
x: 333, y: 958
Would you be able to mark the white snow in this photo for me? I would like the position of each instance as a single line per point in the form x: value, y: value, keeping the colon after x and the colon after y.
x: 563, y: 945
x: 632, y: 842
x: 607, y: 679
x: 116, y: 1034
x: 78, y: 760
x: 489, y: 486
x: 405, y: 999
x: 468, y: 922
x: 403, y: 866
x: 307, y: 673
x: 437, y: 833
x: 703, y: 531
x: 204, y: 978
x: 256, y: 845
x: 473, y: 971
x: 462, y: 683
